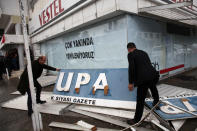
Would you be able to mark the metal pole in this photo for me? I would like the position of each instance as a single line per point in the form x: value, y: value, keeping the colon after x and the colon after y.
x: 35, y: 116
x: 189, y: 112
x: 7, y: 73
x: 20, y: 47
x: 137, y: 124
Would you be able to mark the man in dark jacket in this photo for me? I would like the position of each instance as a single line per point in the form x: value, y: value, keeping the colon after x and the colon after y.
x: 2, y: 67
x: 8, y: 63
x: 143, y: 75
x: 23, y: 86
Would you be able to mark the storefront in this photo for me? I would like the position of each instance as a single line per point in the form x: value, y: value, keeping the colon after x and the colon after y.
x: 89, y: 45
x: 12, y: 49
x: 102, y: 43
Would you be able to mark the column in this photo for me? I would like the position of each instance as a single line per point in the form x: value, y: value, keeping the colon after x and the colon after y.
x: 20, y: 47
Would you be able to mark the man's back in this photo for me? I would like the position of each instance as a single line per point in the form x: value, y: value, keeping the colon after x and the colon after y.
x: 141, y: 67
x: 37, y: 69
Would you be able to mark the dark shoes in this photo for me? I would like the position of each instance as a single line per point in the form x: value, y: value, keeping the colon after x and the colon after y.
x: 131, y: 122
x: 30, y: 112
x: 40, y: 102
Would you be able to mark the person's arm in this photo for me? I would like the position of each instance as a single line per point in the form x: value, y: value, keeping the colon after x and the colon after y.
x: 49, y: 67
x: 131, y: 68
x: 131, y: 71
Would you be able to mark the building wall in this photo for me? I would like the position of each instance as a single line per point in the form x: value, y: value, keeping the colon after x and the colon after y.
x: 108, y: 38
x: 109, y: 45
x: 168, y: 50
x: 77, y: 17
x: 11, y: 7
x: 192, y: 49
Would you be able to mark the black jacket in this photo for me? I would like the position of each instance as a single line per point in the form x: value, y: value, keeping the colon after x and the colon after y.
x: 37, y: 69
x: 140, y: 68
x: 2, y: 65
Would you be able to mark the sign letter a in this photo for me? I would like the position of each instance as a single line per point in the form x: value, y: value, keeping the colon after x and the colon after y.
x: 101, y: 79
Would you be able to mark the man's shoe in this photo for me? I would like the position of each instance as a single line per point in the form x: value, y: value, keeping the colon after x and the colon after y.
x: 40, y: 102
x: 131, y: 122
x: 30, y: 113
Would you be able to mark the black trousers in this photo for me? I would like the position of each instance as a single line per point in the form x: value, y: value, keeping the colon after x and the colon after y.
x: 2, y: 70
x: 1, y: 73
x: 141, y: 95
x: 38, y: 92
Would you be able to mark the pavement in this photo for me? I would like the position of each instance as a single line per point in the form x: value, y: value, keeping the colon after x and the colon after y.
x: 186, y: 80
x: 17, y: 120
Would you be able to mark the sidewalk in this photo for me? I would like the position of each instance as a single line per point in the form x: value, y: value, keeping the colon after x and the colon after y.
x: 187, y: 80
x: 44, y: 80
x: 16, y: 74
x: 17, y: 120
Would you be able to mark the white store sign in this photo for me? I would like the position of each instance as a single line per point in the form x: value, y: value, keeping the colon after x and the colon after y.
x: 52, y: 10
x: 185, y: 101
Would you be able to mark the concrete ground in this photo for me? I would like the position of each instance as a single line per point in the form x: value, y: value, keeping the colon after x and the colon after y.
x: 186, y: 80
x: 17, y: 120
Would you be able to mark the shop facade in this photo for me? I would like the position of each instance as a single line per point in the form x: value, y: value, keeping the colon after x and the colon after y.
x: 11, y: 42
x: 94, y: 35
x: 88, y: 41
x: 99, y: 52
x: 103, y: 45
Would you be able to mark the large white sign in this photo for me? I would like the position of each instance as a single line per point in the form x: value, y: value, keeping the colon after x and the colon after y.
x: 52, y: 10
x: 97, y: 87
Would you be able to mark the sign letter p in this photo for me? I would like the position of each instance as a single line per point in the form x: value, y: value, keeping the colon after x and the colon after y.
x: 82, y: 79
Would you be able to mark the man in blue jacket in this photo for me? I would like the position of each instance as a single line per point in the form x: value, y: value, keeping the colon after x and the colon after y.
x: 23, y: 86
x: 143, y: 75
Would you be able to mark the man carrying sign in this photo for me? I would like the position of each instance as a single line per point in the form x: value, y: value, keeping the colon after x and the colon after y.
x: 143, y: 75
x: 23, y: 86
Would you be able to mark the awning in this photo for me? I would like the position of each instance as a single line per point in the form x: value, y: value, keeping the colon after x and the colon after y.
x: 184, y: 11
x: 11, y: 40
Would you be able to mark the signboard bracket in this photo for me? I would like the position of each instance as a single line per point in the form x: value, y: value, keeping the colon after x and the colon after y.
x: 162, y: 121
x: 100, y: 117
x: 137, y: 124
x: 66, y: 109
x: 75, y: 127
x: 167, y: 6
x: 159, y: 125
